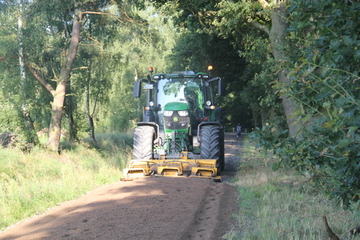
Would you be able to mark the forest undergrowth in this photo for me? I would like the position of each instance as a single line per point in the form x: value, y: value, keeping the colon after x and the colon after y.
x: 282, y: 204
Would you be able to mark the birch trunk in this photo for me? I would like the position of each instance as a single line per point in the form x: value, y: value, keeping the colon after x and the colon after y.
x: 25, y: 114
x: 69, y: 110
x: 89, y: 115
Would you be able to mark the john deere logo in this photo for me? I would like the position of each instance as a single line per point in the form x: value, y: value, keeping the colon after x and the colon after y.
x: 175, y: 119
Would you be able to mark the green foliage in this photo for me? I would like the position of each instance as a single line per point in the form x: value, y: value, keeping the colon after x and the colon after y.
x: 195, y: 50
x: 196, y: 16
x: 327, y: 154
x: 113, y: 43
x: 236, y: 21
x: 9, y: 118
x: 325, y: 83
x: 260, y: 92
x: 136, y: 47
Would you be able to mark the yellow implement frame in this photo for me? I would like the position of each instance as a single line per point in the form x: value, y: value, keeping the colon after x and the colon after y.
x: 172, y: 167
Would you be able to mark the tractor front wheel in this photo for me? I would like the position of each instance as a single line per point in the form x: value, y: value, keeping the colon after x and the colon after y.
x: 210, y: 144
x: 143, y: 142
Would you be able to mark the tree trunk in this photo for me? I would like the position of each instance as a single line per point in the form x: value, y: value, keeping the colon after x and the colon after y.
x: 89, y: 116
x: 25, y: 114
x: 69, y: 110
x: 264, y: 117
x: 280, y: 48
x: 255, y: 118
x: 331, y: 234
x: 60, y: 91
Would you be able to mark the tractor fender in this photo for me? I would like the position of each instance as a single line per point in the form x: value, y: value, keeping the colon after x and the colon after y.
x: 154, y: 125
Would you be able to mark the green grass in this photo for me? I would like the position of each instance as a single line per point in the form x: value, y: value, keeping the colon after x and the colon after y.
x: 32, y: 182
x: 281, y: 204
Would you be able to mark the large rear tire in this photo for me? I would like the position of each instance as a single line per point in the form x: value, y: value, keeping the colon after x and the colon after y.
x: 143, y: 142
x: 211, y: 146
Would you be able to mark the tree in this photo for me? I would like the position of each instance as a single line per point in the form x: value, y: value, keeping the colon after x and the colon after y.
x: 200, y: 44
x: 23, y: 81
x: 67, y: 15
x: 137, y: 46
x: 271, y: 18
x: 15, y: 84
x: 114, y: 41
x: 325, y: 84
x: 59, y: 92
x: 235, y: 21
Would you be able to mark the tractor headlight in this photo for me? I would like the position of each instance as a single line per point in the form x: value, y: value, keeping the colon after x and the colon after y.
x: 183, y: 113
x: 208, y: 103
x: 168, y: 113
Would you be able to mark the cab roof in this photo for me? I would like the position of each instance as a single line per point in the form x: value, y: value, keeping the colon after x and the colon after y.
x: 181, y: 74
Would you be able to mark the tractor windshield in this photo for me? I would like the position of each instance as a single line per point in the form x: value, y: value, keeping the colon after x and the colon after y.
x: 181, y: 90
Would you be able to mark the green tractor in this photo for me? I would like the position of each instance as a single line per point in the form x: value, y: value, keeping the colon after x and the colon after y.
x: 181, y: 132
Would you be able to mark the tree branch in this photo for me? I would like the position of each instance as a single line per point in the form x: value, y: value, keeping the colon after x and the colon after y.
x: 261, y: 27
x: 41, y: 80
x: 264, y: 4
x: 102, y: 13
x: 128, y: 18
x: 331, y: 234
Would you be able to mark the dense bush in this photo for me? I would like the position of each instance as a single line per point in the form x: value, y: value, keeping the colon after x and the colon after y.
x: 325, y: 81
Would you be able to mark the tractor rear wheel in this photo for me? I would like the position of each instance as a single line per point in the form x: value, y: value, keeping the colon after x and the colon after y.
x: 210, y: 144
x: 143, y: 142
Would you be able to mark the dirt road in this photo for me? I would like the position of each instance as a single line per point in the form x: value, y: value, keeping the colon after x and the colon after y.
x: 147, y: 208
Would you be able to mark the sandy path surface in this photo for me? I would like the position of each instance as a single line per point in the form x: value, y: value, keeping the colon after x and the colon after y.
x: 146, y: 208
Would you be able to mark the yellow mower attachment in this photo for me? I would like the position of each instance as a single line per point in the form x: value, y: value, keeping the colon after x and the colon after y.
x: 138, y: 168
x: 172, y: 167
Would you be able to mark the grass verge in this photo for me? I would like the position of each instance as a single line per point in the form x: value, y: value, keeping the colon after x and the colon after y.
x: 282, y: 204
x: 32, y: 182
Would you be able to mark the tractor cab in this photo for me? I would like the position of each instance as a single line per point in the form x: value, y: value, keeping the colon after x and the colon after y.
x: 182, y: 98
x: 195, y: 89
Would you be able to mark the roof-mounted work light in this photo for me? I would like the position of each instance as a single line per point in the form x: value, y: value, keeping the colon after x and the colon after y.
x: 210, y: 68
